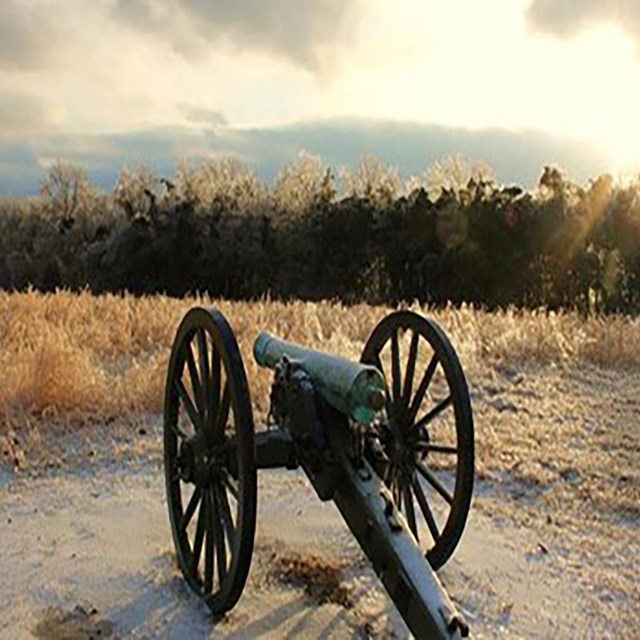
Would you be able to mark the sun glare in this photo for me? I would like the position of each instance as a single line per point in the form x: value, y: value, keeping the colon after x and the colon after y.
x: 620, y: 139
x: 491, y: 70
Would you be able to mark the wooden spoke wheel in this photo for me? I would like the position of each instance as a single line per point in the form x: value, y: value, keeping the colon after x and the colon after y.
x: 209, y: 458
x: 425, y: 450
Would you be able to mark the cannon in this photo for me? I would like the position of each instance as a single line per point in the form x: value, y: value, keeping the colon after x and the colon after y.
x: 388, y: 439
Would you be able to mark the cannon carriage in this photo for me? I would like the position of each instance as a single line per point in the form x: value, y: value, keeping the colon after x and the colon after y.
x: 388, y: 439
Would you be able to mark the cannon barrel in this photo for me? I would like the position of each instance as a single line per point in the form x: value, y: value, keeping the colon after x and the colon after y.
x: 354, y: 389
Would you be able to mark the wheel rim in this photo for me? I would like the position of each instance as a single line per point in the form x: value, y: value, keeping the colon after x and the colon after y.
x: 209, y: 462
x: 427, y: 446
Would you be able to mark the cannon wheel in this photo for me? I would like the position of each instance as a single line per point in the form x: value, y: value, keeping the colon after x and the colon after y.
x: 427, y: 457
x: 209, y: 459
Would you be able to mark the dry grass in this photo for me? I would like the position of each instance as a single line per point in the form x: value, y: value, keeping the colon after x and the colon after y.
x: 72, y: 358
x: 106, y: 356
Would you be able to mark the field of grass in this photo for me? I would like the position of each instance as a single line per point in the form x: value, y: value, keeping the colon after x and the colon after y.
x: 71, y: 358
x: 106, y: 356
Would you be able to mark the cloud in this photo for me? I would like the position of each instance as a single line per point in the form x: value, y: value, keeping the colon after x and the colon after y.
x: 23, y: 114
x: 303, y: 32
x: 516, y: 156
x: 202, y: 116
x: 566, y: 18
x: 27, y: 36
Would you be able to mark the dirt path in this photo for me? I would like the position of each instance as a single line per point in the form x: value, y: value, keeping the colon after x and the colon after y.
x: 91, y: 553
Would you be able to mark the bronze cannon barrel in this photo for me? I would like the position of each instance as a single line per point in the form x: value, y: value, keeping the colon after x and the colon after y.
x: 355, y: 389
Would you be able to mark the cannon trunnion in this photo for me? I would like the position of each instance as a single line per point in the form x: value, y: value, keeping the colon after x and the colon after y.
x: 388, y: 439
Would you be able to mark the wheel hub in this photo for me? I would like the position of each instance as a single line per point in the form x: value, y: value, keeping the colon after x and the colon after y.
x: 404, y: 457
x: 402, y: 444
x: 195, y: 461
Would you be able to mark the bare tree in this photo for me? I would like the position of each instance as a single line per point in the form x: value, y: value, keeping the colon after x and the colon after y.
x: 65, y: 187
x: 451, y: 173
x: 373, y: 179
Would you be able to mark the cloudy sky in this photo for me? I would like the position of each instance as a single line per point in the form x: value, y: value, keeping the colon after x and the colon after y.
x: 518, y: 83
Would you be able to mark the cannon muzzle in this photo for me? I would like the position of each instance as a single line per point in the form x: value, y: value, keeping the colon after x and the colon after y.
x: 355, y: 389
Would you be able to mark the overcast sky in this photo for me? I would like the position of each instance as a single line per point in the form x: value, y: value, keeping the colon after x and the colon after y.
x: 517, y: 83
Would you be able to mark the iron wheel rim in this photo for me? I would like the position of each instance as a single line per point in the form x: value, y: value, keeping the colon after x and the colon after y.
x: 209, y: 444
x: 407, y: 445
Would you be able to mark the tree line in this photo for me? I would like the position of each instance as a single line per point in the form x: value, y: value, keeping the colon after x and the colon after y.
x: 451, y: 235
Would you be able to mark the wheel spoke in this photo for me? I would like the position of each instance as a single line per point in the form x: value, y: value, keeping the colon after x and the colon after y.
x: 175, y: 472
x: 221, y: 550
x: 191, y: 508
x: 203, y: 357
x: 197, y: 543
x: 177, y: 429
x: 225, y: 509
x: 232, y: 485
x: 195, y: 378
x: 408, y: 505
x: 214, y: 391
x: 426, y: 510
x: 422, y: 388
x: 210, y: 544
x: 427, y: 447
x: 434, y: 482
x: 411, y: 368
x: 395, y: 366
x: 434, y: 413
x: 223, y: 412
x: 192, y: 412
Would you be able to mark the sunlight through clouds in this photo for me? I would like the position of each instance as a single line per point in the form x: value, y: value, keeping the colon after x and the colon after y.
x: 478, y: 65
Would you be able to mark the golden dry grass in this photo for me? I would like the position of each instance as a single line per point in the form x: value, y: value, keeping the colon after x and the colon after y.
x: 106, y: 356
x: 77, y: 356
x: 67, y: 357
